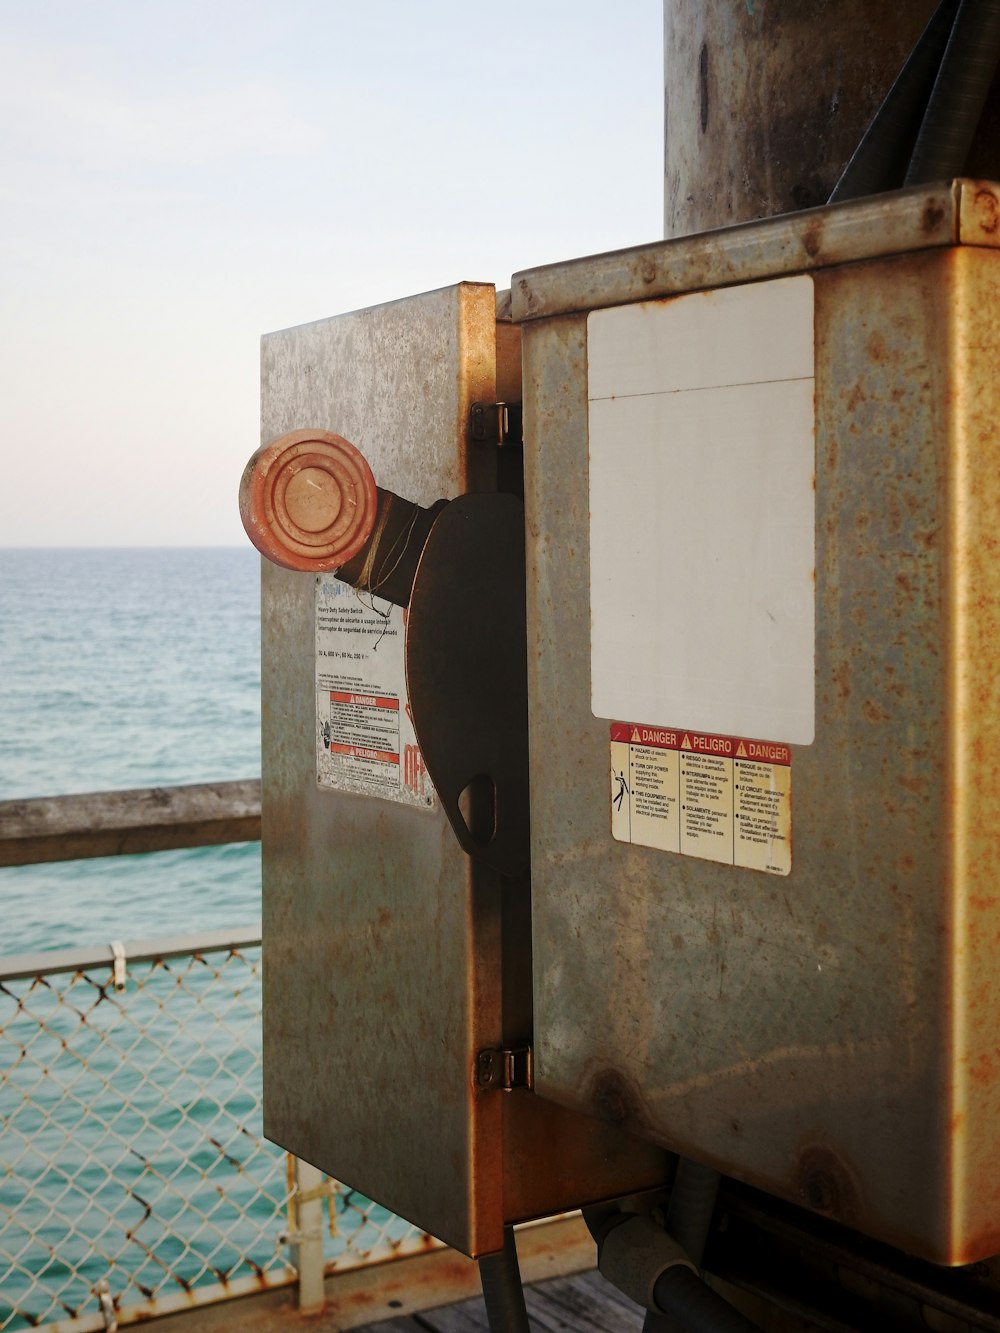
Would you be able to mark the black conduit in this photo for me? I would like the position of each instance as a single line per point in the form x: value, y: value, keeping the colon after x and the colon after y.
x: 689, y: 1217
x: 959, y: 95
x: 502, y: 1289
x: 692, y: 1203
x: 684, y: 1297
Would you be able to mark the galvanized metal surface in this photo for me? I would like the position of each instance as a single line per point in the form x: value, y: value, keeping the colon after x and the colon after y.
x: 383, y: 975
x: 392, y: 959
x: 829, y: 1037
x: 962, y: 212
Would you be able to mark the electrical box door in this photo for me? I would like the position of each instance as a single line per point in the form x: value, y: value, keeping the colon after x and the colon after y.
x: 395, y: 964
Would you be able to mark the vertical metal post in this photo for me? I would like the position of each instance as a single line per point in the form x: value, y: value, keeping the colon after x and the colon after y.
x: 309, y: 1259
x: 766, y: 100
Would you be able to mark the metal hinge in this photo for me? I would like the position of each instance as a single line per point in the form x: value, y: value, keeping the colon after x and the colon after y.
x: 507, y: 1070
x: 496, y: 423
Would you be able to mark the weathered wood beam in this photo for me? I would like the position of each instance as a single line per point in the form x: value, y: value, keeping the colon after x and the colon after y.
x: 122, y: 823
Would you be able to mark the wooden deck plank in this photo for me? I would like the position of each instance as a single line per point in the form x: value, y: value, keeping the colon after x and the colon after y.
x: 405, y: 1324
x: 467, y: 1317
x: 585, y: 1303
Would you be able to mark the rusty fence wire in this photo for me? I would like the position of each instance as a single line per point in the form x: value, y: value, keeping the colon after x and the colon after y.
x: 134, y: 1176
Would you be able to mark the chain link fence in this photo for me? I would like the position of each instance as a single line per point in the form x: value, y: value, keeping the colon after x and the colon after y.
x: 134, y: 1176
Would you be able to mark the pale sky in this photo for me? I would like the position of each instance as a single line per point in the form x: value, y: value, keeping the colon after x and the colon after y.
x: 179, y: 178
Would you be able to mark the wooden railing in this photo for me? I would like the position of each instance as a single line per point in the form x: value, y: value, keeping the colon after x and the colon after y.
x: 122, y: 823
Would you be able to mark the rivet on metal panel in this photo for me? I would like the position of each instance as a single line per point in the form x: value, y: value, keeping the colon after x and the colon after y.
x: 826, y: 1184
x: 488, y: 1068
x: 820, y: 1192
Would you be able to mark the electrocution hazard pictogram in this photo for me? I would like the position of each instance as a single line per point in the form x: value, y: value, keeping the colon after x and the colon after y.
x: 720, y: 798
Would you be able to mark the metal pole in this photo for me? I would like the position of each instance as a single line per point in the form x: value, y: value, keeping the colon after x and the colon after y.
x: 766, y: 100
x: 309, y: 1258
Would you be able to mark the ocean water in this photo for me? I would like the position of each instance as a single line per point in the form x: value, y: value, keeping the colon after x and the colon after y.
x: 128, y: 668
x: 132, y: 1146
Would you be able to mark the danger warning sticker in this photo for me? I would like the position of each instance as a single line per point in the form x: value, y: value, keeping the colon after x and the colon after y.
x: 365, y: 741
x: 719, y: 798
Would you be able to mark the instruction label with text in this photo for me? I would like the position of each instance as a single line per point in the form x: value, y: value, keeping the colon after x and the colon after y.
x: 365, y: 742
x: 720, y: 798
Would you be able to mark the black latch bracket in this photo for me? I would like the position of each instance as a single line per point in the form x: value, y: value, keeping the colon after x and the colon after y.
x: 506, y: 1069
x: 499, y: 424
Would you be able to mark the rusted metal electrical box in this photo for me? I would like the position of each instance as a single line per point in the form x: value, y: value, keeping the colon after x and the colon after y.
x: 761, y: 926
x: 763, y: 506
x: 397, y: 968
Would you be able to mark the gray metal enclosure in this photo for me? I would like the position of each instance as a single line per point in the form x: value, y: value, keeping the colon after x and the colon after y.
x: 371, y: 932
x: 392, y: 958
x: 828, y: 1034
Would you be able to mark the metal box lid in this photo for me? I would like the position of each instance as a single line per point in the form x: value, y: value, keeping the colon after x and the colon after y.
x: 960, y: 212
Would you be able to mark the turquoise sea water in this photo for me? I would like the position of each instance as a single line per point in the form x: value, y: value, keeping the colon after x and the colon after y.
x: 128, y: 668
x: 129, y: 1151
x: 130, y: 1137
x: 131, y: 1145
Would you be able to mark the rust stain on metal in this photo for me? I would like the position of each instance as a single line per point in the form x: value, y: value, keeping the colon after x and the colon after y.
x: 987, y: 211
x: 226, y: 1156
x: 812, y: 238
x: 932, y: 216
x: 612, y: 1096
x: 867, y: 229
x: 827, y: 1185
x: 974, y: 621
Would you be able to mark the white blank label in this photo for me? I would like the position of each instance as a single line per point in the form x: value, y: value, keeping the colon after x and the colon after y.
x: 702, y: 539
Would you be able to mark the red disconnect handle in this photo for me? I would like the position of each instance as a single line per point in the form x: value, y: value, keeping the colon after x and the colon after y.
x: 308, y: 500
